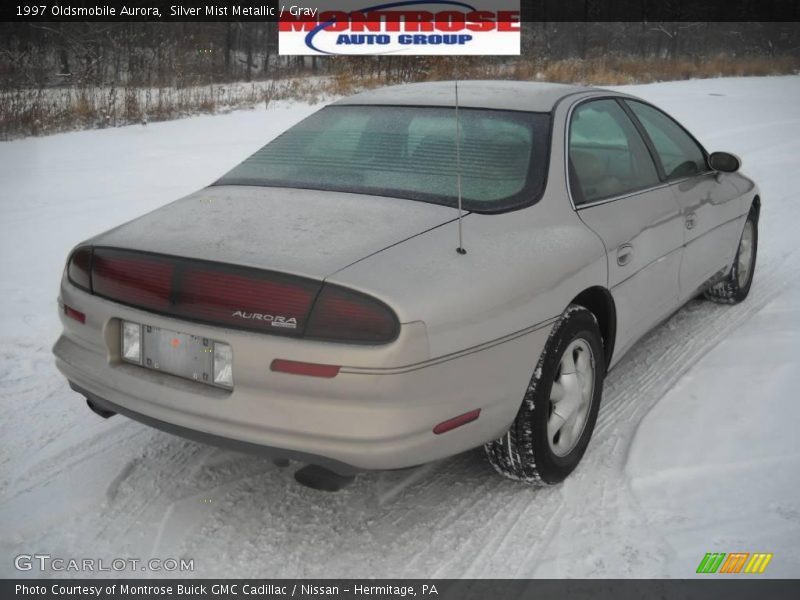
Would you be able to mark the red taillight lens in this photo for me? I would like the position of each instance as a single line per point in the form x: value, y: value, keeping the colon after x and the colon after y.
x: 232, y: 296
x: 79, y: 268
x: 132, y: 278
x: 302, y: 368
x: 260, y: 301
x: 344, y: 315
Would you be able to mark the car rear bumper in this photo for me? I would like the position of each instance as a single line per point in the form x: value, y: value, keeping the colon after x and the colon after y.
x: 377, y: 413
x: 106, y: 409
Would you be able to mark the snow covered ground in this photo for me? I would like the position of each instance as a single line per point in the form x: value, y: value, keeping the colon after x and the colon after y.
x: 696, y: 448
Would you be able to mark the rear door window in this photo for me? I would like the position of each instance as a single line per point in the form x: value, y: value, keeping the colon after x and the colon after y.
x: 607, y: 155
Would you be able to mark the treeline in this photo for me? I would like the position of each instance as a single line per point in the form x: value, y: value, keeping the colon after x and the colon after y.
x: 196, y: 53
x: 62, y: 76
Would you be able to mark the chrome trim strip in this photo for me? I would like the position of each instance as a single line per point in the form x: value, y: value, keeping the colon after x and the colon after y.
x: 622, y: 196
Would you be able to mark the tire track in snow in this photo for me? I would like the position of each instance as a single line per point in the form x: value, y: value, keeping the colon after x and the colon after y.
x: 162, y: 464
x: 33, y: 474
x: 516, y: 535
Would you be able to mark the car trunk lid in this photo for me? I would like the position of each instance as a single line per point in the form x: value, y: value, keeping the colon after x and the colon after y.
x: 303, y: 232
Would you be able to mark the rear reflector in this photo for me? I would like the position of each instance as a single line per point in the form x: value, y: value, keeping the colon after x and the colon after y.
x: 301, y: 368
x: 458, y: 421
x: 74, y: 314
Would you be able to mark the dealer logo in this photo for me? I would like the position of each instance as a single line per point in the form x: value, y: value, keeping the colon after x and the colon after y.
x: 438, y: 27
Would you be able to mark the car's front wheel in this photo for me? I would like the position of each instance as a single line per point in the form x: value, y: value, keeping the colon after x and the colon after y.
x: 555, y: 422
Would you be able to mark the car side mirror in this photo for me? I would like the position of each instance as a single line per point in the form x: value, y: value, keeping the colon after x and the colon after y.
x: 724, y: 162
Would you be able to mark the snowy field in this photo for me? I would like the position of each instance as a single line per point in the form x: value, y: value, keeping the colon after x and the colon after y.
x: 696, y: 447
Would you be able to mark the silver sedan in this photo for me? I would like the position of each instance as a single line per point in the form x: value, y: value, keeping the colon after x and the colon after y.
x: 409, y: 273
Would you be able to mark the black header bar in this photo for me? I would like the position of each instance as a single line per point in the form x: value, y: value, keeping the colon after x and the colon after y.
x: 270, y: 10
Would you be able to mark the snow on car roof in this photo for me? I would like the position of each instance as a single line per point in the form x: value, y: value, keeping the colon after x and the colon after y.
x: 503, y: 95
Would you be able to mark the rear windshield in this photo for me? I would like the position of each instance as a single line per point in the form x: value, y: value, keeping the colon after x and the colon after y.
x: 408, y: 152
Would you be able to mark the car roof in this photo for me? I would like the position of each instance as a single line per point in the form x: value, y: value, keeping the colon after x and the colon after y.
x: 493, y: 94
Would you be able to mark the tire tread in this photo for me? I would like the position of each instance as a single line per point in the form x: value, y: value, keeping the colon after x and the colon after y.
x: 512, y: 455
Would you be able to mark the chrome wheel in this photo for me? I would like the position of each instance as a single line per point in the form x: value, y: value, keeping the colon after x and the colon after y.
x: 571, y: 397
x: 744, y: 264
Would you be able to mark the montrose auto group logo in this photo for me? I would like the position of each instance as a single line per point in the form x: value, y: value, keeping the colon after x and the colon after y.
x: 404, y: 27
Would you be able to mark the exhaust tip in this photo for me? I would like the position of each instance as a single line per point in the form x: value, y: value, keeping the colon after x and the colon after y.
x: 99, y: 411
x: 322, y: 479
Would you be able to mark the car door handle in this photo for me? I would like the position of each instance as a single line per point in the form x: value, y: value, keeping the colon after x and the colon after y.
x: 690, y: 220
x: 624, y: 254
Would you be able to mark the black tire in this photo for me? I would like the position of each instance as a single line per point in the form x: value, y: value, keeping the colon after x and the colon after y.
x: 730, y: 290
x: 524, y: 453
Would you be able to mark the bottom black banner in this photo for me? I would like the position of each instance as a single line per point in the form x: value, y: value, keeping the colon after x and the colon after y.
x: 374, y: 589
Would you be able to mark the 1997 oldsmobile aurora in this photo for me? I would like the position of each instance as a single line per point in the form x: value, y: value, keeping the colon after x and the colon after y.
x: 318, y: 303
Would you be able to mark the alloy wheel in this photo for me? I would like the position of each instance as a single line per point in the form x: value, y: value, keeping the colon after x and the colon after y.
x: 571, y: 397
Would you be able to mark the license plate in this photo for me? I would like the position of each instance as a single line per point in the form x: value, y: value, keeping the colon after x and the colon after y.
x: 180, y: 354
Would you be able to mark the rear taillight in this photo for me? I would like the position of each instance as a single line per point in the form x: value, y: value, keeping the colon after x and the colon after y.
x: 259, y: 300
x: 79, y: 268
x: 344, y: 315
x: 140, y: 280
x: 233, y: 296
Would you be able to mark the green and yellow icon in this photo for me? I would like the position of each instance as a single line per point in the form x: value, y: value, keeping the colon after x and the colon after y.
x: 734, y: 562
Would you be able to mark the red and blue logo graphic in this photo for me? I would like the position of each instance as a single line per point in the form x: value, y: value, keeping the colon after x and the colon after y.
x: 407, y: 27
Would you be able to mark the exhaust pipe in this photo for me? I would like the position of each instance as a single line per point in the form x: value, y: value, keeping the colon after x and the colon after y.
x: 320, y: 478
x: 96, y: 407
x: 98, y: 410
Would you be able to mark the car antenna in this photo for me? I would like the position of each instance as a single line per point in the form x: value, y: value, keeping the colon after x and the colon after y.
x: 460, y: 248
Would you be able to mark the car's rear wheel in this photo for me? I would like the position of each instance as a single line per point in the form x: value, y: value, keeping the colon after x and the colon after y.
x: 555, y: 421
x: 736, y: 285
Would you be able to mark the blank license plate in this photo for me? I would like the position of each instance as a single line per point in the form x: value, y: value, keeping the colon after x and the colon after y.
x: 177, y: 353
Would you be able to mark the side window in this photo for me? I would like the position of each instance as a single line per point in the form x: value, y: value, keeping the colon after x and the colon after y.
x: 607, y: 155
x: 679, y: 153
